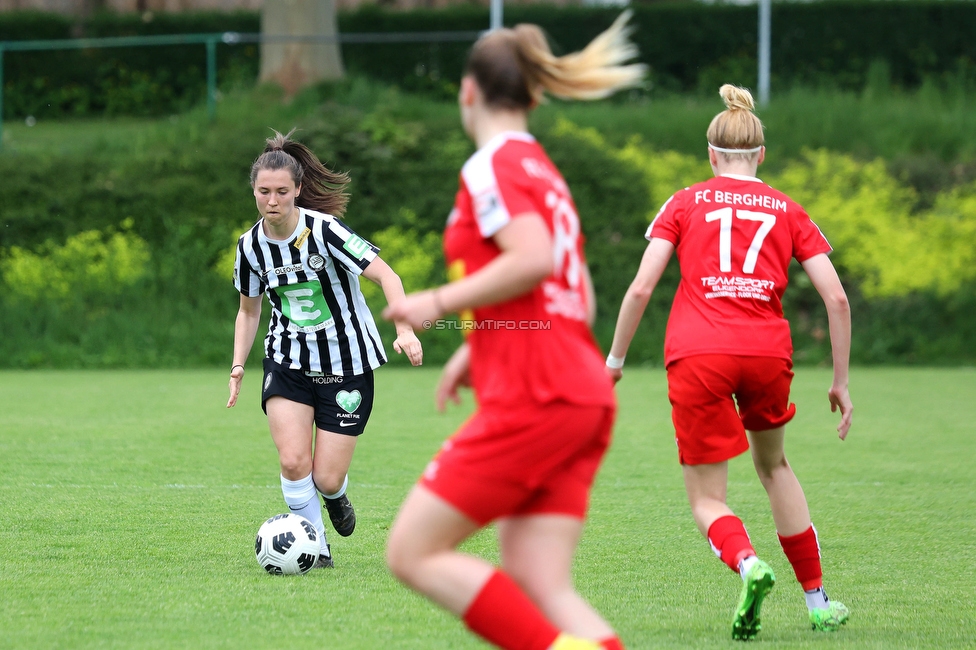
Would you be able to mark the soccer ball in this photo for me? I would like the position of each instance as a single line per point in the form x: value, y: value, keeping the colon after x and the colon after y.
x: 287, y: 544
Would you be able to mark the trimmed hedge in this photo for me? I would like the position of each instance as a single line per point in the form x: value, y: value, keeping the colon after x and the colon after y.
x: 119, y: 80
x: 77, y: 288
x: 689, y: 46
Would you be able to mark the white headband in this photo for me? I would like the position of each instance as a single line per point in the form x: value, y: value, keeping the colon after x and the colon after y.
x: 723, y: 150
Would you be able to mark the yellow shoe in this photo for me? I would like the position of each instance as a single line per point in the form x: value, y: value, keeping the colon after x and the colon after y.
x: 567, y: 642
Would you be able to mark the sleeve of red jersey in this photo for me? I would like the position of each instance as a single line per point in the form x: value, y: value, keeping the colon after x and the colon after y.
x: 666, y: 225
x: 499, y: 191
x: 808, y: 240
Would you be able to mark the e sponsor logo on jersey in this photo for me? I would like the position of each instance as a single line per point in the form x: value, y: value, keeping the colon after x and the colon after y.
x: 356, y: 246
x: 316, y: 262
x: 305, y: 308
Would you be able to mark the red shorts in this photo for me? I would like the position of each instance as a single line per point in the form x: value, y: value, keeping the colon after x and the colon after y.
x: 708, y: 426
x: 522, y: 461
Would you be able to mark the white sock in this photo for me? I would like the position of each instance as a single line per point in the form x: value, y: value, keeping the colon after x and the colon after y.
x: 302, y: 500
x: 341, y: 491
x: 745, y: 564
x: 816, y: 598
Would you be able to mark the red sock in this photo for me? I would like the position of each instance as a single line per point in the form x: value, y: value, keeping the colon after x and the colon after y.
x: 502, y: 614
x: 803, y: 552
x: 613, y: 643
x: 730, y: 541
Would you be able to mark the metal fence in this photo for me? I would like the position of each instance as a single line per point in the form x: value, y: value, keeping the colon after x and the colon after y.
x: 210, y: 41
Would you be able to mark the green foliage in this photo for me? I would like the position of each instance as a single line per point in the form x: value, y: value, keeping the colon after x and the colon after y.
x: 417, y: 257
x: 182, y: 189
x: 612, y: 198
x: 89, y: 267
x: 920, y: 264
x: 867, y: 216
x: 903, y: 239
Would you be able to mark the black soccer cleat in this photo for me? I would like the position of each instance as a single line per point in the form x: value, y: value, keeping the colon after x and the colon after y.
x: 341, y: 514
x: 325, y: 559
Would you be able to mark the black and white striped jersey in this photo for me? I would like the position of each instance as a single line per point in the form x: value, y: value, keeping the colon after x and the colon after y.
x: 319, y: 319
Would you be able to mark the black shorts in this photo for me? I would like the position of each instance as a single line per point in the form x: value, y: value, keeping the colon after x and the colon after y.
x: 342, y: 403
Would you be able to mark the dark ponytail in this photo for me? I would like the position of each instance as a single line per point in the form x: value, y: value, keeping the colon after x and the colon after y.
x: 322, y: 189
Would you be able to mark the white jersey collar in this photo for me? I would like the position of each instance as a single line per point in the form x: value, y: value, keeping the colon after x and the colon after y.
x: 500, y: 138
x: 298, y: 228
x: 740, y: 177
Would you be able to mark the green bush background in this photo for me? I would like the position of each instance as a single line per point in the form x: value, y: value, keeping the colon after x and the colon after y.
x: 116, y: 249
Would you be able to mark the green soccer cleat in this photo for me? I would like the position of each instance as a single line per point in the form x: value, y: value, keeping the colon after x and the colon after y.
x: 830, y: 618
x: 758, y: 583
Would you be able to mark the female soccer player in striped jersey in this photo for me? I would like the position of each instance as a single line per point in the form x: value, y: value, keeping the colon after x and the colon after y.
x: 322, y: 345
x: 528, y: 456
x: 728, y: 350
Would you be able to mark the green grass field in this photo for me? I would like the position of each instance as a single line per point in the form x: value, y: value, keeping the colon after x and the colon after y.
x: 129, y: 502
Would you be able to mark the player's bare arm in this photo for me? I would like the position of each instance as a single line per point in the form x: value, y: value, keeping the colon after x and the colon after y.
x: 525, y: 261
x: 655, y: 260
x: 245, y: 329
x: 825, y: 281
x: 590, y: 295
x: 455, y: 375
x: 386, y: 278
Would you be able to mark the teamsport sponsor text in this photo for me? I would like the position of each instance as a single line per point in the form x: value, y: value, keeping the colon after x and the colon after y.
x: 737, y: 287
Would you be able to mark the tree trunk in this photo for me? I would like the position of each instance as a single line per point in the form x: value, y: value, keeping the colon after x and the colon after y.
x: 297, y: 64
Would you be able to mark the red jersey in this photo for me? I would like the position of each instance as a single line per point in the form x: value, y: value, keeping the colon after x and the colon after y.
x: 734, y: 237
x: 536, y: 347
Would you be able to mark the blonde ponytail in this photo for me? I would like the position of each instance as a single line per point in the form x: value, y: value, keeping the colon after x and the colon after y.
x: 593, y: 73
x: 514, y: 68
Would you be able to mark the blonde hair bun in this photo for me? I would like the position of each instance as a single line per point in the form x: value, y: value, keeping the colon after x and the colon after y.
x: 736, y: 98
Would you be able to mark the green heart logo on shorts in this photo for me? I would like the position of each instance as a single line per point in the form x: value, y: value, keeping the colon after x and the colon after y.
x: 349, y: 401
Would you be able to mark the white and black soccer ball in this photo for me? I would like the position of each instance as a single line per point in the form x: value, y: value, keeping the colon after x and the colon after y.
x: 287, y: 544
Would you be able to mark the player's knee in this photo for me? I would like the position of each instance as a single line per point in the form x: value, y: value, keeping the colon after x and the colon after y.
x: 329, y: 482
x: 537, y: 588
x: 769, y: 469
x: 295, y: 467
x: 399, y: 560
